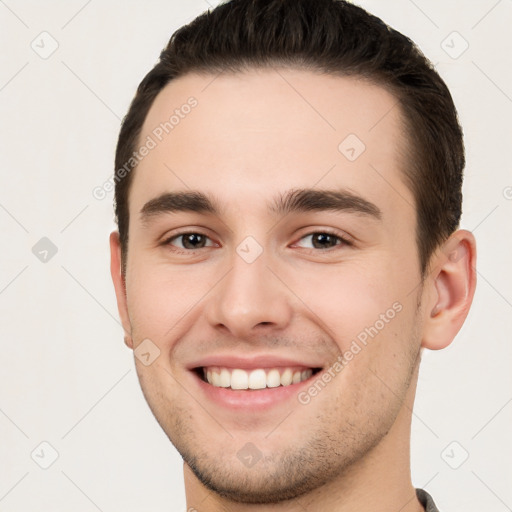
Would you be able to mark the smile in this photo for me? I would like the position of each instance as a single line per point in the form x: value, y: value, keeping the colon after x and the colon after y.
x: 256, y: 378
x: 252, y: 383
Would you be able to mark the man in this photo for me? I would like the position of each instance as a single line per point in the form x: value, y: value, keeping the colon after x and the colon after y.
x: 288, y: 194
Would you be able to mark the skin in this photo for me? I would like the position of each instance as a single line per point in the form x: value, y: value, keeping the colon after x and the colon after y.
x: 251, y: 137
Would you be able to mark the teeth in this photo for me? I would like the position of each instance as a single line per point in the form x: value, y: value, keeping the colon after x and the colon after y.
x: 286, y: 377
x: 225, y: 378
x: 239, y: 379
x: 273, y: 379
x: 259, y: 378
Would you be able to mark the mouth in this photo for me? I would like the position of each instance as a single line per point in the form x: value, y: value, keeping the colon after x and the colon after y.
x: 252, y: 384
x: 254, y: 379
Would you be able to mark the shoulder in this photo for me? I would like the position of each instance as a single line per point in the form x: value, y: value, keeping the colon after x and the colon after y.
x: 426, y: 500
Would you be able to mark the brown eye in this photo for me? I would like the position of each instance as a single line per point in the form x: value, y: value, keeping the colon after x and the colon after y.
x: 190, y: 241
x: 321, y: 240
x: 324, y: 240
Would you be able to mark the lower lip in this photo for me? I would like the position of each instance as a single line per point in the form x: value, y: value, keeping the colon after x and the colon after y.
x: 254, y: 399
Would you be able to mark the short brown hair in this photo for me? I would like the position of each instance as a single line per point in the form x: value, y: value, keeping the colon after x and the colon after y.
x: 328, y: 36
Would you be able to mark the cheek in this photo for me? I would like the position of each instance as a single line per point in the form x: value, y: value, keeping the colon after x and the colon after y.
x: 160, y: 298
x: 352, y: 298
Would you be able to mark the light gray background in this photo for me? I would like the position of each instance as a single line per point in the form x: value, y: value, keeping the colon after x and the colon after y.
x: 66, y: 377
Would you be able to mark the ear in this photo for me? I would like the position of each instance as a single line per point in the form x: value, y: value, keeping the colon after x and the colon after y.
x: 119, y: 286
x: 452, y: 285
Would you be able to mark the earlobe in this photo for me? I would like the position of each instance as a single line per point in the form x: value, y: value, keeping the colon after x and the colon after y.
x: 119, y: 286
x: 453, y: 285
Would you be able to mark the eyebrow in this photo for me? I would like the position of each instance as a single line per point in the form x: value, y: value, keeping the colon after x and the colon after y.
x: 304, y: 200
x: 293, y: 201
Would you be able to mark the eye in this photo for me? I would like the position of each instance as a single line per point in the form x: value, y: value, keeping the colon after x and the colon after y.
x: 190, y: 241
x: 321, y: 240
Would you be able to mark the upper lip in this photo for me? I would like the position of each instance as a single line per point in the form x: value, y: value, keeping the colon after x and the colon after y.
x: 251, y: 362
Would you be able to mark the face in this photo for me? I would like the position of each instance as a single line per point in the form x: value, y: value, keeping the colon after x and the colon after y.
x: 272, y: 267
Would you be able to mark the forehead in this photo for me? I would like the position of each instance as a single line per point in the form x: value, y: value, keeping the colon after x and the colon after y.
x: 241, y: 136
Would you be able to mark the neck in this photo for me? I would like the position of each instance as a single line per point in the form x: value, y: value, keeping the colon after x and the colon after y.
x: 381, y: 481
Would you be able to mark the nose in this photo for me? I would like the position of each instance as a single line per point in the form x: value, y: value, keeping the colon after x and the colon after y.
x: 248, y: 299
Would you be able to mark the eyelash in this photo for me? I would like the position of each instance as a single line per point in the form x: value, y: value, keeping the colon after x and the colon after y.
x: 343, y: 241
